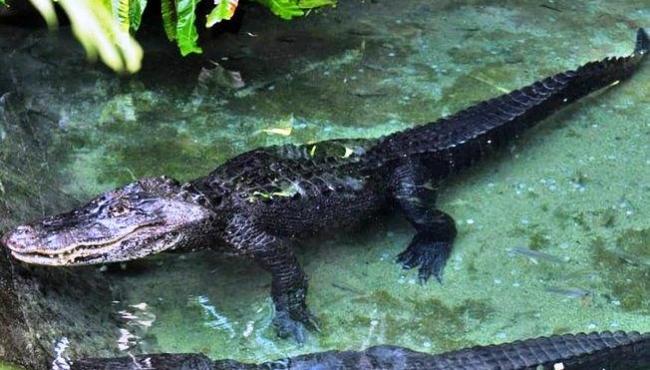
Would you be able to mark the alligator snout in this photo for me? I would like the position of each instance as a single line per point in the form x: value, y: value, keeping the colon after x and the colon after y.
x: 19, y: 238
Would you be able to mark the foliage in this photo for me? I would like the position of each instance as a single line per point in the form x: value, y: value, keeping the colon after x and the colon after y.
x: 186, y: 33
x: 223, y: 10
x: 168, y: 12
x: 105, y: 28
x: 288, y: 9
x: 100, y: 33
x: 129, y: 13
x: 46, y: 8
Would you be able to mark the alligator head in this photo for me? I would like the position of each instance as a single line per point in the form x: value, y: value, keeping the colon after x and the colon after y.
x: 139, y: 219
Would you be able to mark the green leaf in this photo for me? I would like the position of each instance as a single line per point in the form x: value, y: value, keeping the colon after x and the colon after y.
x: 186, y: 33
x: 310, y: 4
x: 224, y: 10
x: 169, y: 18
x: 285, y: 9
x: 2, y: 2
x: 135, y: 14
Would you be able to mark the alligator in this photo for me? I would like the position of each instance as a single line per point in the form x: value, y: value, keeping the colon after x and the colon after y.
x: 259, y: 204
x: 604, y: 350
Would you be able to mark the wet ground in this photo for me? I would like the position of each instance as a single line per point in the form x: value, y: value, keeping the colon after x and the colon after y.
x: 554, y: 233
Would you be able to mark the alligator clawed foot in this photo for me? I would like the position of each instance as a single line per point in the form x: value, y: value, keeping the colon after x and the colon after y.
x: 312, y: 323
x: 295, y: 324
x: 431, y: 258
x: 286, y: 327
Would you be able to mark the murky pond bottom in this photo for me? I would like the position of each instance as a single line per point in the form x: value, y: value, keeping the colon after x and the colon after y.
x: 554, y: 233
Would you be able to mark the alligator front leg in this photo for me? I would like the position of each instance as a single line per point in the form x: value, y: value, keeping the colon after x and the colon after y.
x: 289, y: 283
x: 435, y: 230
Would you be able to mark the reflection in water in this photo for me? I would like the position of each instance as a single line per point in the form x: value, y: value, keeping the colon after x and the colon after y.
x: 138, y: 319
x: 126, y: 340
x: 61, y: 361
x: 215, y: 319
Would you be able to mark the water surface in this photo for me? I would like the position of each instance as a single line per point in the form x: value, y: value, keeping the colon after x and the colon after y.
x: 570, y: 198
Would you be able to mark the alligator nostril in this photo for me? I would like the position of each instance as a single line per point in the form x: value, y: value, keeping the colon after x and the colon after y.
x: 4, y: 240
x: 23, y: 229
x: 17, y: 237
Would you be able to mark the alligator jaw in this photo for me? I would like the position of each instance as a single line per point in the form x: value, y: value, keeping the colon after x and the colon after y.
x: 135, y: 243
x: 75, y: 254
x: 132, y: 222
x: 20, y: 243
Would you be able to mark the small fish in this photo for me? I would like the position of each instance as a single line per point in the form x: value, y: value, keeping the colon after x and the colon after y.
x: 570, y: 292
x: 535, y: 256
x: 630, y: 258
x: 347, y: 289
x: 551, y: 8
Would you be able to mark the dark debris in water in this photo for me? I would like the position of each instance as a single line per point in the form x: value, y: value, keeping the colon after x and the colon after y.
x: 625, y: 267
x: 435, y: 322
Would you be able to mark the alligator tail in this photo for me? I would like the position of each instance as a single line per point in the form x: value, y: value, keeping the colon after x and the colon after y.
x: 455, y: 142
x: 605, y: 350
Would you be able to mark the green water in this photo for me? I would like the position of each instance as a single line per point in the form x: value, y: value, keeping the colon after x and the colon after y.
x: 576, y: 188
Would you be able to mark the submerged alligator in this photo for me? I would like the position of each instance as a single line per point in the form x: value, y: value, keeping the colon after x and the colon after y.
x: 260, y: 203
x: 610, y: 351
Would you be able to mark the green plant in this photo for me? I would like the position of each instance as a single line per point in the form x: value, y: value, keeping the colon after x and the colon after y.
x: 105, y: 28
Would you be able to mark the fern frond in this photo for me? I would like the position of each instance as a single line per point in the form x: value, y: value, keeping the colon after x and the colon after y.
x: 168, y: 11
x: 135, y: 14
x: 121, y: 11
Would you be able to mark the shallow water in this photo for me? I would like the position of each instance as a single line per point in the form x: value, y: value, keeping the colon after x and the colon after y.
x: 575, y: 189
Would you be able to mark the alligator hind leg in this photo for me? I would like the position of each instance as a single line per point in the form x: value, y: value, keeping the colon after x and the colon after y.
x: 288, y: 284
x: 435, y: 230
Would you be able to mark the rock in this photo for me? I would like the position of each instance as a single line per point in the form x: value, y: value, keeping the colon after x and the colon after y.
x: 43, y: 309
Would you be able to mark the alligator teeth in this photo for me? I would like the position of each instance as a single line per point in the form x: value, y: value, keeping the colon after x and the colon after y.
x: 49, y: 252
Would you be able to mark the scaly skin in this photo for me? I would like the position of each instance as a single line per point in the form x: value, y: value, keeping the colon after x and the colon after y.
x: 260, y: 203
x: 611, y: 351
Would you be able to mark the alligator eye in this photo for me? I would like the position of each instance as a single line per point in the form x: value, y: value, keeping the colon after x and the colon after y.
x: 201, y: 200
x: 117, y: 210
